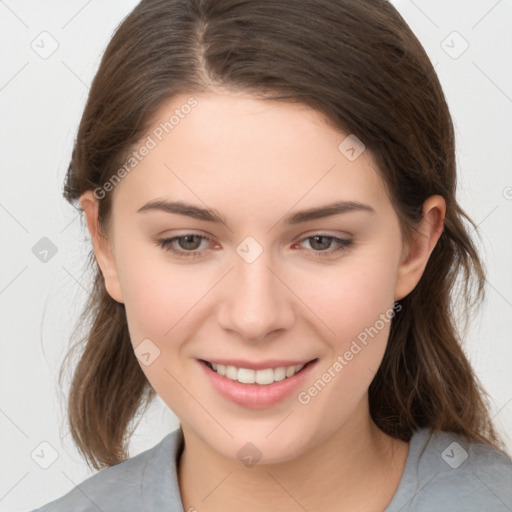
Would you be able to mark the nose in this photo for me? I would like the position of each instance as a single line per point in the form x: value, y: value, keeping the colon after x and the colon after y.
x: 256, y: 302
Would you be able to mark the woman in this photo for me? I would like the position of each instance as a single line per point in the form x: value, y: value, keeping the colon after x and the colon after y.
x: 270, y: 192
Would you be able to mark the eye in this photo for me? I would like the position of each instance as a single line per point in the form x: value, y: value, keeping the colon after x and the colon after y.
x: 187, y: 245
x: 322, y: 245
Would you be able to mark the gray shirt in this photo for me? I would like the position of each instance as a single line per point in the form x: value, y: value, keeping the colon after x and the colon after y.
x: 442, y: 473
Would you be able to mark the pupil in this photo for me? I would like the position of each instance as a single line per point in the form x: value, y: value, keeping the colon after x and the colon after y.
x: 317, y: 238
x: 185, y: 242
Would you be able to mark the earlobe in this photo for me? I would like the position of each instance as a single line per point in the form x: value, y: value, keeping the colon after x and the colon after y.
x: 102, y: 246
x: 416, y: 254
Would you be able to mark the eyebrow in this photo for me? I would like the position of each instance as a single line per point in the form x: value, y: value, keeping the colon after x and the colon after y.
x: 207, y: 214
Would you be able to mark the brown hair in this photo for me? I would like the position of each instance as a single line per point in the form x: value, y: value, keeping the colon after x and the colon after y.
x: 358, y: 63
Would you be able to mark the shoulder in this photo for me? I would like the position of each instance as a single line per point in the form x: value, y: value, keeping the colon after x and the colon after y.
x: 145, y: 482
x: 444, y: 472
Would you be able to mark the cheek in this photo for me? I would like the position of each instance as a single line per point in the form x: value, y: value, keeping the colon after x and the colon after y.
x: 356, y: 303
x: 157, y: 293
x: 360, y: 311
x: 350, y: 297
x: 161, y: 302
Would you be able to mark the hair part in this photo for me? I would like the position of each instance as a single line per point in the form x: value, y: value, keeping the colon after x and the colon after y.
x: 360, y: 65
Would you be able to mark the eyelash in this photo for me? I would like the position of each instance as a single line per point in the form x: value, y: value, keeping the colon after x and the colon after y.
x: 166, y: 244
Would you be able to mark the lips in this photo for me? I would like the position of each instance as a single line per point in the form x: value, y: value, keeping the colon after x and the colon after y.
x: 255, y: 395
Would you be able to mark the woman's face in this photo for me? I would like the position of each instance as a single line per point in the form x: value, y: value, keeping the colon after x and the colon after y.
x: 269, y: 285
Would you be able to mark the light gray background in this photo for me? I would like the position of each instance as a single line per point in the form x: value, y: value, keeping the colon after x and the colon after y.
x: 41, y: 101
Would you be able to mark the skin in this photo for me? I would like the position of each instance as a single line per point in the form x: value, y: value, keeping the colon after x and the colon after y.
x: 253, y: 162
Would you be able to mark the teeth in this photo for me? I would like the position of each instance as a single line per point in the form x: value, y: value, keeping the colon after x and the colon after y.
x: 231, y: 373
x: 263, y: 377
x: 280, y: 373
x: 246, y: 376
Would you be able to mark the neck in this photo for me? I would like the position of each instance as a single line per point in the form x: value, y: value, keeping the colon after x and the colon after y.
x: 357, y: 468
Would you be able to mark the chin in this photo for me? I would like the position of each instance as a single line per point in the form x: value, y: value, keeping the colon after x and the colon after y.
x: 251, y: 446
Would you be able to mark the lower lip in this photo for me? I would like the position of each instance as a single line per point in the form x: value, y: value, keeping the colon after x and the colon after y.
x: 257, y: 396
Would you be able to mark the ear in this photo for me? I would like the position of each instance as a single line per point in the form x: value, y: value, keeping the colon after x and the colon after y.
x: 416, y: 253
x: 102, y: 246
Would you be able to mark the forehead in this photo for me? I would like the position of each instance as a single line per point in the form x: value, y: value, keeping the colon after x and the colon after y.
x: 234, y: 150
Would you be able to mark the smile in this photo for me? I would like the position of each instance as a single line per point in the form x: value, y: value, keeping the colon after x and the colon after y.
x: 264, y: 376
x: 264, y: 384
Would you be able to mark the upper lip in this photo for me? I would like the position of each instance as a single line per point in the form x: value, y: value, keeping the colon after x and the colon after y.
x: 260, y: 365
